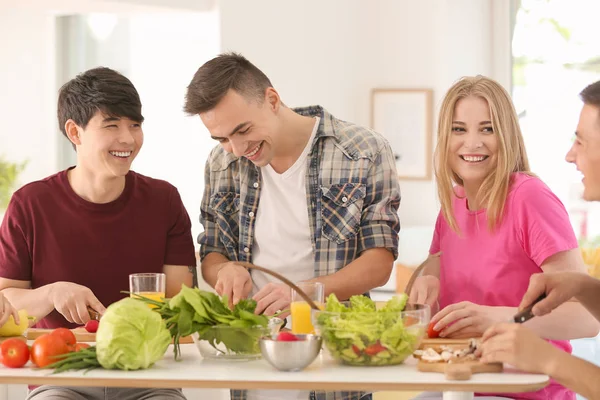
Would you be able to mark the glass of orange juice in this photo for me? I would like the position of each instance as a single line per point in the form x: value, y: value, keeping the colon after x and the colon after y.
x: 150, y: 285
x: 300, y: 310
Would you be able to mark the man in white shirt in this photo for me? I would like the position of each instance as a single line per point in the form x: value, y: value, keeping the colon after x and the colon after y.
x: 297, y: 191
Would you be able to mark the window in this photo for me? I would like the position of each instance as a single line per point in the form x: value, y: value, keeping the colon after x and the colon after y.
x: 555, y: 55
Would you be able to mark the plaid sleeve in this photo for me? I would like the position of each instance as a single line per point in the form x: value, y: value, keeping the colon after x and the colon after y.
x: 209, y: 238
x: 380, y: 223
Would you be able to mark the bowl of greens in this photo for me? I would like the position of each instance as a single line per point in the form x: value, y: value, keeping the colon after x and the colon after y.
x: 358, y: 332
x: 226, y: 342
x: 219, y: 332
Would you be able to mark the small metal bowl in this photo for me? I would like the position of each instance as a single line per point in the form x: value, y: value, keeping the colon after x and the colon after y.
x: 290, y: 356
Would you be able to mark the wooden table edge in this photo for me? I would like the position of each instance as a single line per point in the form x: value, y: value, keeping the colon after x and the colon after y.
x: 463, y: 386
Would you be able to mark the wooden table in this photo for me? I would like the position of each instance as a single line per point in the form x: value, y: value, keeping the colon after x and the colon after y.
x: 323, y: 374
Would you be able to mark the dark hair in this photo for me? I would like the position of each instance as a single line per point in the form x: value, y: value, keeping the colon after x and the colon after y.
x: 591, y: 94
x: 213, y: 80
x: 99, y: 89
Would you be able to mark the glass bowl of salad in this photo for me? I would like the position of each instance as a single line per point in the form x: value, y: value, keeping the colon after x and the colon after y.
x: 361, y: 332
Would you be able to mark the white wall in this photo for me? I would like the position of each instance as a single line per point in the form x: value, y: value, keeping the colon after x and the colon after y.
x: 334, y: 52
x: 327, y: 52
x: 26, y: 88
x: 165, y: 54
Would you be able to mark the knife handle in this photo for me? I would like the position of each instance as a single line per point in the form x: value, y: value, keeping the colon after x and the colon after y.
x: 526, y: 314
x: 93, y: 313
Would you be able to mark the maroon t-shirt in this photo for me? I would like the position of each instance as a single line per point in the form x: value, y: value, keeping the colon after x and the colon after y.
x: 50, y: 234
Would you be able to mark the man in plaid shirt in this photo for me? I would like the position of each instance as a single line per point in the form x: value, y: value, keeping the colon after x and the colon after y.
x: 327, y: 189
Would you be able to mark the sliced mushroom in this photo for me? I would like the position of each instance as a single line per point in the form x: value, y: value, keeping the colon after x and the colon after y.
x: 431, y: 355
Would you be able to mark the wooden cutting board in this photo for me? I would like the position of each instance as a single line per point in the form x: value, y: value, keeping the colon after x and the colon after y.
x: 459, y: 371
x: 475, y: 367
x: 81, y: 335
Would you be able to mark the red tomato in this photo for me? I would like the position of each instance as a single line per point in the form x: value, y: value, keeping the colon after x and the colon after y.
x: 47, y: 350
x: 14, y: 353
x: 356, y: 350
x: 92, y: 326
x: 432, y: 333
x: 81, y: 346
x: 66, y: 335
x: 374, y: 349
x: 287, y: 337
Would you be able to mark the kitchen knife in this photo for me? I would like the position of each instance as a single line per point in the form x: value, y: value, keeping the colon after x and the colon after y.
x: 526, y: 314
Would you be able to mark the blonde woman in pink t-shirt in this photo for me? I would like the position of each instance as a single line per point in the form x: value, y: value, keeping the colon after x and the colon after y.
x: 498, y: 225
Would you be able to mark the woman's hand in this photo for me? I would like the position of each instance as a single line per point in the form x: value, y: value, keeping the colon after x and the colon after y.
x: 468, y: 320
x: 518, y: 346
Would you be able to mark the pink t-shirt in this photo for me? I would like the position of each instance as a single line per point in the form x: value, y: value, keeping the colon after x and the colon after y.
x: 493, y: 268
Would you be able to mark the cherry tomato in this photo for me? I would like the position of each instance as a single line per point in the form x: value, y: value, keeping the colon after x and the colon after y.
x: 287, y: 337
x: 14, y: 353
x: 432, y: 333
x: 374, y: 349
x: 92, y: 326
x: 47, y: 350
x: 66, y: 335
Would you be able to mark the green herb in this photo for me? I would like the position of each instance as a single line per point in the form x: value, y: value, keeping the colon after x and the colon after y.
x: 82, y: 359
x: 198, y: 311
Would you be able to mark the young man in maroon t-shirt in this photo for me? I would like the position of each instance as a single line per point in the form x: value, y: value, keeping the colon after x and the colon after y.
x: 71, y: 240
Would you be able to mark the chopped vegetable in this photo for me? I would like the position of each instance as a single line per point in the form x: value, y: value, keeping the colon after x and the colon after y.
x: 362, y: 335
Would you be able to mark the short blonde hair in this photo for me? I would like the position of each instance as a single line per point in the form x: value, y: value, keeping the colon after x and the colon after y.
x: 511, y: 157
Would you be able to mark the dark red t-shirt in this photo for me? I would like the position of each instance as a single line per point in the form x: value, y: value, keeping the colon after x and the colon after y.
x: 50, y: 234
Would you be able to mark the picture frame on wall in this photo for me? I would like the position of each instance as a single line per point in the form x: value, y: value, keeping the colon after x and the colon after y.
x: 404, y: 118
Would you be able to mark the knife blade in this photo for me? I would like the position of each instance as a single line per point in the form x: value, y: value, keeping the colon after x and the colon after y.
x: 93, y: 313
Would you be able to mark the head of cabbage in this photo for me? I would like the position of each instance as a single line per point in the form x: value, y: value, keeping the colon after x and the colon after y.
x: 131, y: 336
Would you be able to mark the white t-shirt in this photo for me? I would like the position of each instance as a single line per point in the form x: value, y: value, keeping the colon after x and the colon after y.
x: 282, y: 241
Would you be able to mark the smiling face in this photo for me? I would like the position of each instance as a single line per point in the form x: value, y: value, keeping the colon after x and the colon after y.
x: 585, y: 152
x: 473, y: 146
x: 245, y: 127
x: 107, y: 146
